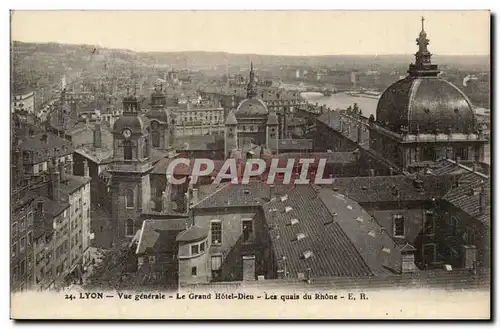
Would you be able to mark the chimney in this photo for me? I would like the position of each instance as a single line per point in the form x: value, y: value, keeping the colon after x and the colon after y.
x: 97, y: 135
x: 62, y: 172
x: 187, y: 201
x: 86, y: 171
x: 360, y: 133
x: 194, y: 198
x: 248, y: 268
x: 54, y: 184
x: 483, y: 201
x: 408, y: 259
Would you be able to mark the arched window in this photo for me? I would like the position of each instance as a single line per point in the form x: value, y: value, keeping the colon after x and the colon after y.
x: 129, y: 199
x: 156, y: 138
x: 129, y: 227
x: 127, y: 150
x: 146, y: 148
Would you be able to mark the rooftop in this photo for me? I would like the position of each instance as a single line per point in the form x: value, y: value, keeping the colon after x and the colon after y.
x: 391, y: 188
x: 159, y: 235
x: 313, y: 228
x: 45, y: 146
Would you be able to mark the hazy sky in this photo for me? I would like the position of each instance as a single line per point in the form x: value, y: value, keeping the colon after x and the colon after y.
x: 272, y: 32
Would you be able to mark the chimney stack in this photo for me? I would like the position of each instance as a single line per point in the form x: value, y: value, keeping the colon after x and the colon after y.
x: 55, y: 182
x: 97, y: 135
x: 360, y: 133
x: 62, y: 172
x: 86, y: 171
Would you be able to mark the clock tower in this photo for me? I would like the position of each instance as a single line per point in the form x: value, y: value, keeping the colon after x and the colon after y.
x: 130, y: 187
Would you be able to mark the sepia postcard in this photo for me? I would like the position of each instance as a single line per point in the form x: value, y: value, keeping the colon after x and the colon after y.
x: 250, y: 165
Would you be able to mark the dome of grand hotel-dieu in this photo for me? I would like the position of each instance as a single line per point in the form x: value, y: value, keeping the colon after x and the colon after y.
x: 426, y: 105
x: 251, y: 107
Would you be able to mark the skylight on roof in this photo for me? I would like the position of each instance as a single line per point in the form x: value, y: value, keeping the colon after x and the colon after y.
x: 359, y: 219
x: 386, y: 250
x: 372, y: 234
x: 284, y: 198
x: 294, y: 221
x: 288, y: 209
x: 300, y: 236
x: 349, y: 207
x: 307, y: 254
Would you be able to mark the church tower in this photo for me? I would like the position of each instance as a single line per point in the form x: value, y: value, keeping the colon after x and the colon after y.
x: 160, y: 118
x: 272, y: 132
x: 130, y: 169
x: 251, y: 86
x: 231, y: 134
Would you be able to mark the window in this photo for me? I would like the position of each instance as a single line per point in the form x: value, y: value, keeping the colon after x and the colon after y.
x: 156, y: 138
x: 127, y: 150
x: 428, y: 223
x: 22, y: 223
x: 129, y: 227
x: 22, y: 268
x: 14, y: 249
x: 247, y: 228
x: 216, y: 230
x: 146, y: 148
x: 202, y: 247
x: 29, y: 217
x: 193, y: 271
x: 129, y: 199
x: 14, y: 229
x: 22, y: 244
x: 471, y: 237
x: 30, y: 238
x: 428, y: 254
x: 216, y: 267
x: 462, y: 153
x: 454, y: 226
x: 140, y: 261
x: 399, y: 226
x: 152, y: 259
x: 194, y: 249
x: 428, y: 153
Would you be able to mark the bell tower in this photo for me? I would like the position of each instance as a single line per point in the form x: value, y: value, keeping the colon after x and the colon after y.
x: 230, y: 134
x: 272, y: 132
x: 130, y: 185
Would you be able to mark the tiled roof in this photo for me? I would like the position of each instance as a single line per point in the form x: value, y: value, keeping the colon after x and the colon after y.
x: 44, y: 150
x: 73, y: 183
x: 465, y: 196
x: 194, y: 233
x: 236, y: 195
x: 391, y: 188
x: 331, y: 157
x: 331, y: 253
x: 377, y: 248
x: 159, y: 235
x: 181, y: 169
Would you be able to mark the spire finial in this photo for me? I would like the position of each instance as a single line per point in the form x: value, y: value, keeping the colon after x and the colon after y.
x: 422, y: 19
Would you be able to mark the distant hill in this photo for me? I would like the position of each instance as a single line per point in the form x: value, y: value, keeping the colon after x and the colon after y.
x: 210, y: 59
